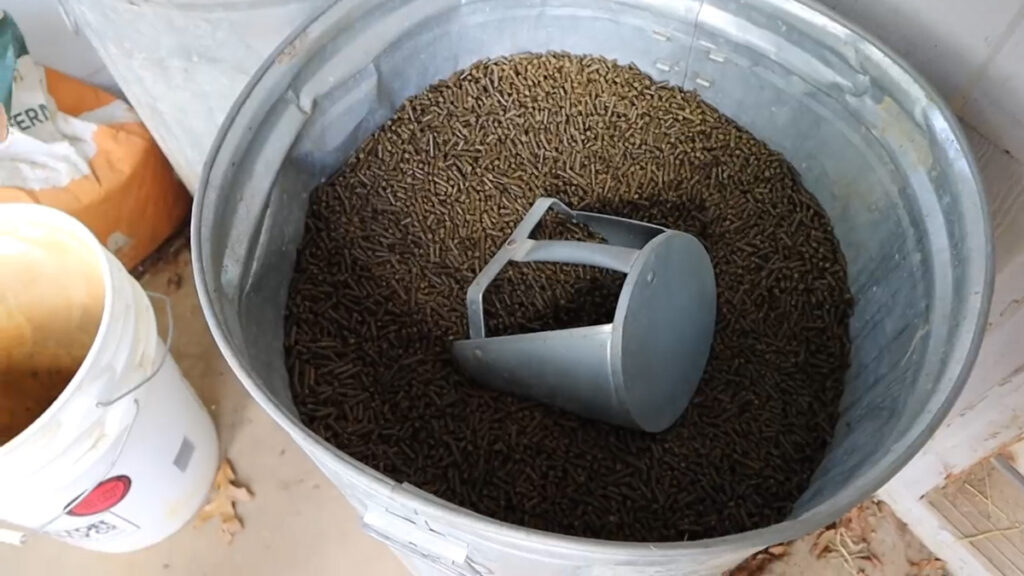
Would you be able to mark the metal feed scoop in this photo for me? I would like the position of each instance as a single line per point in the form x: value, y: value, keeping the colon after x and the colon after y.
x: 641, y: 370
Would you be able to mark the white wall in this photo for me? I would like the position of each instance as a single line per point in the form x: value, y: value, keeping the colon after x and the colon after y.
x: 972, y: 51
x: 52, y: 43
x: 182, y: 63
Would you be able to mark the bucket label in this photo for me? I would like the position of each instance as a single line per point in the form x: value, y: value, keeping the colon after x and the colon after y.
x: 184, y: 455
x: 92, y: 529
x: 103, y: 497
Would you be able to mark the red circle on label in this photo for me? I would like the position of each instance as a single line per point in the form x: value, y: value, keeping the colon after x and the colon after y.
x: 103, y: 497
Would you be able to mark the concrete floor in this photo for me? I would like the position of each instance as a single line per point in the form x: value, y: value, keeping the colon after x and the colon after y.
x: 298, y: 524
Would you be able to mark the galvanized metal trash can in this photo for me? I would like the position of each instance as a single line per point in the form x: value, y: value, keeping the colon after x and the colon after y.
x: 872, y: 142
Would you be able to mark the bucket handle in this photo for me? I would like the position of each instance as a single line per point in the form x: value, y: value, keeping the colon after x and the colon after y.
x: 106, y: 473
x: 135, y: 416
x: 389, y: 540
x: 163, y: 358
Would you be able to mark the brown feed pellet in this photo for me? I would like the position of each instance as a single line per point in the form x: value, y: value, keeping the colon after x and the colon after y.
x: 393, y: 242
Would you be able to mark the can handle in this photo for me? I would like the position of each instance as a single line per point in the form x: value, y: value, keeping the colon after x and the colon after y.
x: 392, y: 542
x: 418, y: 540
x: 159, y: 364
x: 623, y: 241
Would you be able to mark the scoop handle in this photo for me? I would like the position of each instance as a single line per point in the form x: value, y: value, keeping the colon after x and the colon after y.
x: 624, y: 240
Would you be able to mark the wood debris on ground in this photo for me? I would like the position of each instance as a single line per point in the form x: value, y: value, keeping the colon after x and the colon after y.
x: 222, y: 502
x: 838, y: 544
x: 756, y: 564
x: 929, y: 567
x: 870, y: 541
x: 848, y: 541
x: 174, y: 282
x: 987, y: 499
x: 171, y: 249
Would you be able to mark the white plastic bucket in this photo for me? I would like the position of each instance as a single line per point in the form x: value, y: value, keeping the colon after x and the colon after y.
x: 103, y: 443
